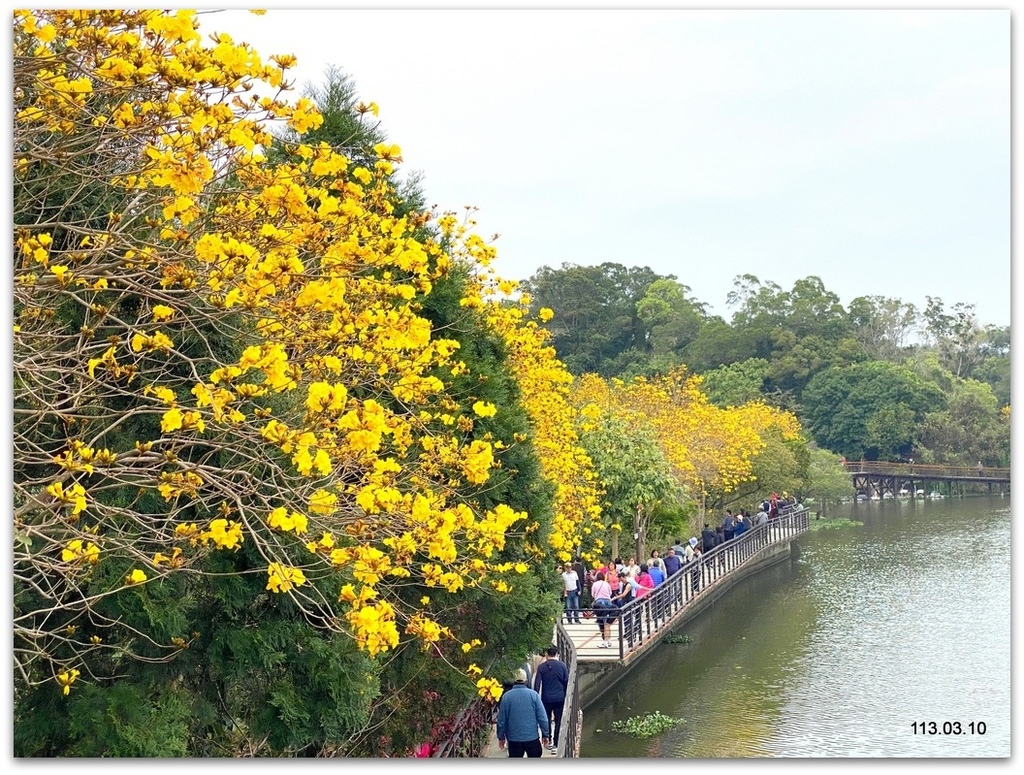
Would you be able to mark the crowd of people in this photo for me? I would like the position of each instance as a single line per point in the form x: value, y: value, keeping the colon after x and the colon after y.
x: 530, y: 710
x: 599, y: 592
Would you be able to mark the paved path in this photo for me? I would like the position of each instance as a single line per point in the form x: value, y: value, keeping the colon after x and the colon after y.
x: 493, y: 752
x: 585, y: 637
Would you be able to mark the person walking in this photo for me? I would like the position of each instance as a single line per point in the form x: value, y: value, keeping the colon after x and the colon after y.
x: 551, y: 682
x: 571, y: 594
x: 520, y: 716
x: 672, y: 565
x: 630, y: 588
x: 603, y: 607
x: 741, y: 526
x: 582, y: 585
x: 729, y: 525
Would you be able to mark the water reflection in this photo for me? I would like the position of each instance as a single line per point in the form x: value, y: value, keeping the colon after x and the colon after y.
x: 904, y: 619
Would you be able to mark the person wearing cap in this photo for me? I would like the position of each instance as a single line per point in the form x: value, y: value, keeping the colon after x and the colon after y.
x: 741, y: 525
x: 522, y: 722
x: 691, y: 548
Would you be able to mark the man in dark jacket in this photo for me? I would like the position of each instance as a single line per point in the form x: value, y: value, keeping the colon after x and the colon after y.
x: 708, y: 538
x: 520, y: 715
x: 728, y: 525
x: 551, y: 682
x: 672, y: 562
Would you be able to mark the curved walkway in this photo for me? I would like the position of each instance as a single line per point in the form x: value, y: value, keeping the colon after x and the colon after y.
x: 644, y: 622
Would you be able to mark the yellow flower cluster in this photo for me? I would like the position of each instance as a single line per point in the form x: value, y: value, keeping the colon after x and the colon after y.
x: 545, y: 382
x: 67, y: 678
x: 174, y: 484
x: 79, y: 552
x: 709, y: 449
x: 73, y: 496
x: 281, y: 578
x: 224, y: 534
x: 335, y: 386
x: 281, y: 519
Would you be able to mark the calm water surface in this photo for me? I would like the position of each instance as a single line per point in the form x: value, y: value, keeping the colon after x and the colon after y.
x: 903, y: 619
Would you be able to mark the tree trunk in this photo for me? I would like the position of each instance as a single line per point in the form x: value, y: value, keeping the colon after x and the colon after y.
x: 640, y: 529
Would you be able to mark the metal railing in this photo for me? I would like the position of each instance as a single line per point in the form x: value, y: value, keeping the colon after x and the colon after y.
x: 467, y: 734
x: 571, y: 729
x: 641, y: 619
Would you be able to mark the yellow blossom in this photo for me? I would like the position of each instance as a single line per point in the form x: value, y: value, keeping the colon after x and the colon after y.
x: 67, y: 678
x: 484, y: 409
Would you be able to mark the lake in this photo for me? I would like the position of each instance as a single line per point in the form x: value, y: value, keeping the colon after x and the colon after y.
x: 886, y: 639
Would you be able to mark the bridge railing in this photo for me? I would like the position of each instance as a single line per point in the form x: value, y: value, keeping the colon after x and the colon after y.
x: 642, y: 619
x: 639, y: 621
x: 466, y: 734
x: 925, y: 471
x: 571, y: 729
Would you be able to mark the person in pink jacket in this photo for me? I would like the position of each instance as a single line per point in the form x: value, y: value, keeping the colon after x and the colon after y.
x: 604, y: 608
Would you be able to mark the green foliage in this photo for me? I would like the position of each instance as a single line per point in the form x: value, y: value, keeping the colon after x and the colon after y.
x: 646, y: 726
x: 596, y: 318
x: 718, y: 343
x: 840, y: 404
x: 828, y: 480
x: 883, y: 326
x: 969, y: 429
x: 120, y: 720
x: 795, y: 361
x: 766, y: 310
x: 633, y: 471
x: 671, y: 317
x: 782, y: 466
x: 737, y: 383
x: 670, y: 519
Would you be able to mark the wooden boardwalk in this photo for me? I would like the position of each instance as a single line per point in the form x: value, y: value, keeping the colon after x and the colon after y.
x: 885, y: 479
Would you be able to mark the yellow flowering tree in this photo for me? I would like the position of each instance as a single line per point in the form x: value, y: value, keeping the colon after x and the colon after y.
x: 710, y: 451
x: 230, y: 408
x: 544, y: 385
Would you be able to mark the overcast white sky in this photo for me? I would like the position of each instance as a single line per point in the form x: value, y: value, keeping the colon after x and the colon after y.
x: 869, y: 148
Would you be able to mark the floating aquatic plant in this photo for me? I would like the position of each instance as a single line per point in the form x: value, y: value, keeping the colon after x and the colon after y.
x: 646, y: 726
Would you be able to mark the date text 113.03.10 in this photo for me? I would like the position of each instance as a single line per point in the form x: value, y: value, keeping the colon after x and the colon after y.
x: 952, y: 728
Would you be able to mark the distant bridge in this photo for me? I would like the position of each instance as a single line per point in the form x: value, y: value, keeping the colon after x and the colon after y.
x: 882, y: 479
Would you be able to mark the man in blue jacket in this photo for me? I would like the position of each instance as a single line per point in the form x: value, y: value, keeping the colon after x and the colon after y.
x: 520, y: 716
